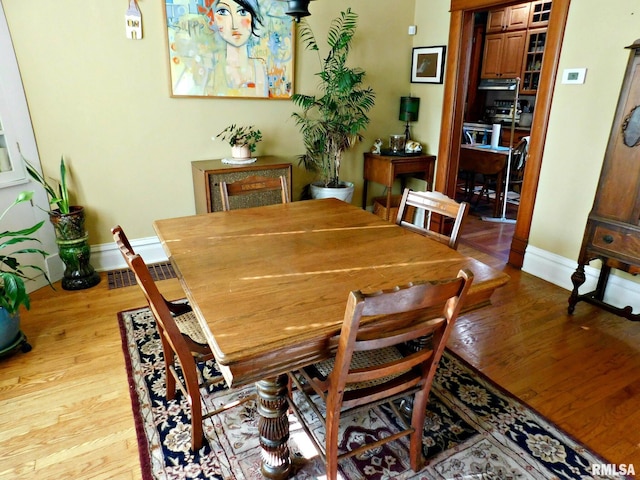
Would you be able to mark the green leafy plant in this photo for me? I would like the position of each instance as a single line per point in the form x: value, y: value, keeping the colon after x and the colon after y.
x: 332, y: 121
x: 59, y: 198
x: 238, y: 136
x: 12, y: 273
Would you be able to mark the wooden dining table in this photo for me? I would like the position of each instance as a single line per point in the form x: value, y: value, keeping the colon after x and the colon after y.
x: 269, y: 286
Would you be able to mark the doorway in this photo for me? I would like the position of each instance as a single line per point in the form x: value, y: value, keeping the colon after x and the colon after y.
x: 459, y: 64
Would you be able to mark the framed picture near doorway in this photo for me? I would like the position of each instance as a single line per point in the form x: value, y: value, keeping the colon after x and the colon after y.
x: 427, y: 64
x: 231, y: 48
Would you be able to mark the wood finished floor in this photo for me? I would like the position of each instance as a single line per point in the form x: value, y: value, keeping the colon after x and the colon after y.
x: 65, y: 410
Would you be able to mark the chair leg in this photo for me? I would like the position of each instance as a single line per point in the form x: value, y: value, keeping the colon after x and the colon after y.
x: 195, y: 405
x: 197, y: 432
x: 169, y: 360
x: 331, y: 444
x: 417, y: 423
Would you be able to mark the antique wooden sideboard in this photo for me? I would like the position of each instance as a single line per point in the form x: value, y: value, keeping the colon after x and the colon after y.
x: 612, y: 234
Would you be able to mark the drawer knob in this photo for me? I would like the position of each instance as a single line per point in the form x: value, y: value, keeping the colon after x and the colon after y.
x: 607, y: 239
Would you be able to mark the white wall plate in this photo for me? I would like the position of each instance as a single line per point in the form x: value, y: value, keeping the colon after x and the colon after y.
x: 574, y: 75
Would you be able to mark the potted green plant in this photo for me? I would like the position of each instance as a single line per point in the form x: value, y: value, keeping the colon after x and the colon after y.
x: 331, y: 122
x: 71, y: 237
x: 13, y: 293
x: 243, y: 139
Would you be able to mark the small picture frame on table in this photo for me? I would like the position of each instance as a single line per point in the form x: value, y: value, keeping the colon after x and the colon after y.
x: 427, y: 64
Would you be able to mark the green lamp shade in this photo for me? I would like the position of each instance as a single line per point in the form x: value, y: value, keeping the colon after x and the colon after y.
x: 409, y: 107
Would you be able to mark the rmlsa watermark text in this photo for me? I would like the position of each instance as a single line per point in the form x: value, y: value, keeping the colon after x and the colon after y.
x: 613, y: 469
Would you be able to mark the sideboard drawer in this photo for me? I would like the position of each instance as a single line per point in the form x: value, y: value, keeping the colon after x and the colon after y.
x: 621, y: 241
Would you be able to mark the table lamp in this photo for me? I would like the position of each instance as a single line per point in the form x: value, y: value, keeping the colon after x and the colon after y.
x: 409, y: 107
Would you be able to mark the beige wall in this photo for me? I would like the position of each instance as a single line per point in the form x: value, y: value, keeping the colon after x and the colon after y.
x: 432, y: 22
x: 103, y: 102
x: 580, y: 121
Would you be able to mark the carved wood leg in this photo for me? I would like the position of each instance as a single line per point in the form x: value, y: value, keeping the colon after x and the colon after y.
x: 273, y: 427
x: 578, y: 278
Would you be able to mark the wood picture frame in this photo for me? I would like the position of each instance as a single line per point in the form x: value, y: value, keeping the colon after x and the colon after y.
x: 427, y: 64
x: 208, y: 58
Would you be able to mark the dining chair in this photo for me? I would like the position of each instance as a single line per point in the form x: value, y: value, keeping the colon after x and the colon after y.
x: 253, y: 188
x: 425, y: 205
x: 516, y: 173
x: 176, y: 308
x: 388, y: 349
x: 183, y: 342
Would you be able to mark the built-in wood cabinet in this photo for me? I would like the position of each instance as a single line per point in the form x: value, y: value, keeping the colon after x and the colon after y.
x: 518, y: 135
x: 540, y: 13
x: 514, y: 17
x: 514, y: 43
x: 503, y: 54
x: 612, y: 234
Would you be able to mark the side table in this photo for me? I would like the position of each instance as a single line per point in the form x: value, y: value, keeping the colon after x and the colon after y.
x: 384, y: 169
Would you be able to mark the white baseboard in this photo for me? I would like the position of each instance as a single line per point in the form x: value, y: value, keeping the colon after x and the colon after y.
x: 103, y: 258
x: 622, y: 289
x: 107, y: 256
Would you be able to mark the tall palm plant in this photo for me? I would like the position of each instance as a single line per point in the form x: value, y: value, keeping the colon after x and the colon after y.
x: 332, y: 121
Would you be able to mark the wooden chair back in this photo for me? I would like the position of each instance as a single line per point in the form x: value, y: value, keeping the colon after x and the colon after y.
x: 388, y: 348
x: 518, y: 162
x: 175, y: 344
x: 426, y: 205
x: 252, y: 186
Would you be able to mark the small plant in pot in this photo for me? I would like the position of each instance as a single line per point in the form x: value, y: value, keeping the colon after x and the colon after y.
x: 72, y: 238
x: 331, y: 122
x: 243, y: 139
x: 13, y: 274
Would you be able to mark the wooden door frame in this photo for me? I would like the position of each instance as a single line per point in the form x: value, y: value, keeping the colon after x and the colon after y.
x: 455, y: 93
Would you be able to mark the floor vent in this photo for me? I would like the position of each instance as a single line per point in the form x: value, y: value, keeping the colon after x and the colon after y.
x: 126, y: 278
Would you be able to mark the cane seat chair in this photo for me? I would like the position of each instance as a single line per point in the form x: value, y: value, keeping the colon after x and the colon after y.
x: 183, y: 342
x: 425, y: 206
x: 519, y: 156
x: 388, y: 349
x: 269, y: 190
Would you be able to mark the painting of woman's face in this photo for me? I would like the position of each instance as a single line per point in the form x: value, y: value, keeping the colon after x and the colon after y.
x: 233, y: 22
x: 230, y: 48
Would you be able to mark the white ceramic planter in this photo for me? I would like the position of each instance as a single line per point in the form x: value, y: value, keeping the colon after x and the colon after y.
x: 240, y: 151
x: 344, y: 193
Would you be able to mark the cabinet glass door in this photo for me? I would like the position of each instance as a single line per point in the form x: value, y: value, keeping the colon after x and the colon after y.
x: 532, y: 67
x: 540, y: 14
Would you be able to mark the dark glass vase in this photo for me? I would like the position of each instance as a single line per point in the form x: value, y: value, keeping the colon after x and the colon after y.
x: 73, y: 246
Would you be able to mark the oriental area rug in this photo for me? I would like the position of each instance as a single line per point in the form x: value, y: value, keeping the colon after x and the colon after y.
x: 473, y: 429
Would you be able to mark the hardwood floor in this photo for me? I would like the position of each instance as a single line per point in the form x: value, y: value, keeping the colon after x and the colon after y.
x: 65, y: 410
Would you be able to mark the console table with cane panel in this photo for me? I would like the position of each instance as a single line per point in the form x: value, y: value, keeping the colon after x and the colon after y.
x: 207, y: 175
